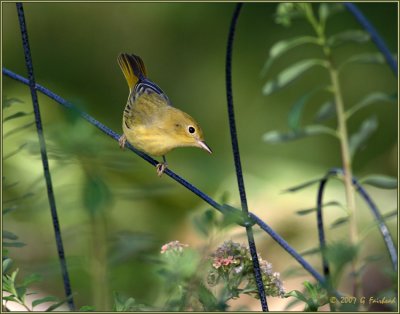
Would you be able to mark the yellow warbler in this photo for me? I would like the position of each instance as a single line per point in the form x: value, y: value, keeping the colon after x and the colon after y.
x: 149, y: 121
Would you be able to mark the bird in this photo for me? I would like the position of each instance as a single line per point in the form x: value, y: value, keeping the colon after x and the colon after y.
x: 149, y: 121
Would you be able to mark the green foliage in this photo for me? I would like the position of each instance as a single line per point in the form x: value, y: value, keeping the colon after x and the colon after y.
x: 314, y: 297
x: 339, y: 254
x: 380, y: 181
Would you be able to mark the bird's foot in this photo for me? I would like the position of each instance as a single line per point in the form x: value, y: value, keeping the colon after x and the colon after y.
x: 122, y: 141
x: 161, y: 168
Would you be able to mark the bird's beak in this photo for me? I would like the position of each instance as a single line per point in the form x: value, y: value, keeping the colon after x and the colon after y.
x: 204, y: 146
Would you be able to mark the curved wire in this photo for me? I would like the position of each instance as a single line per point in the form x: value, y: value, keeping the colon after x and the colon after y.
x: 236, y: 157
x: 377, y: 39
x: 375, y: 211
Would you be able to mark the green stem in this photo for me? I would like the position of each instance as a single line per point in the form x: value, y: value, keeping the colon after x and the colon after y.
x: 344, y: 144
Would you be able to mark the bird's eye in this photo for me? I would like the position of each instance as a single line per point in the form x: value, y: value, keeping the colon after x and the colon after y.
x: 191, y: 129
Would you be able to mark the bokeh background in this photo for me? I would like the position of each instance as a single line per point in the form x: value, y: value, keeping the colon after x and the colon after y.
x: 115, y: 213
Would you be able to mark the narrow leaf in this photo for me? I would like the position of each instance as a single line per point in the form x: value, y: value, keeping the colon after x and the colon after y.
x: 7, y: 262
x: 307, y: 211
x: 9, y: 235
x: 362, y: 135
x: 390, y: 215
x: 16, y: 130
x: 13, y: 244
x: 274, y: 137
x: 380, y: 181
x: 295, y: 113
x: 365, y: 58
x: 311, y: 251
x: 355, y: 36
x: 30, y: 279
x: 207, y: 299
x: 285, y: 45
x: 49, y: 298
x: 16, y: 115
x: 15, y: 151
x: 372, y: 98
x: 290, y: 74
x: 8, y: 102
x: 323, y: 12
x: 317, y: 129
x: 302, y: 185
x: 326, y: 10
x: 339, y: 222
x: 326, y: 111
x: 87, y: 308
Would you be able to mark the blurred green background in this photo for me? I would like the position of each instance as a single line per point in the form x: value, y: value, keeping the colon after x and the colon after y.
x: 115, y: 213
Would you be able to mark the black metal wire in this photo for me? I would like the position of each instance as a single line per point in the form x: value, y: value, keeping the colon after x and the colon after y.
x: 45, y: 162
x: 264, y: 226
x: 236, y: 156
x: 376, y: 38
x: 384, y: 230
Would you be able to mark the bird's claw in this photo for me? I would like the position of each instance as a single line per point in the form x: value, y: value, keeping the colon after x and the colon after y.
x: 122, y: 141
x: 161, y: 168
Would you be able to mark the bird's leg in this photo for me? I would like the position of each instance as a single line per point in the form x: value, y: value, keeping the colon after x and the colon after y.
x: 122, y: 141
x: 161, y: 166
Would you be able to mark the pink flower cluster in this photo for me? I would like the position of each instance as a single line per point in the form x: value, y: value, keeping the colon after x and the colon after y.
x: 173, y: 246
x: 222, y: 261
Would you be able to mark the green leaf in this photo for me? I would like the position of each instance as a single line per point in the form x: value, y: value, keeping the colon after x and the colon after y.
x: 122, y: 304
x: 326, y: 10
x: 97, y: 195
x: 274, y: 137
x: 298, y: 295
x: 30, y: 279
x: 18, y: 129
x: 9, y: 209
x: 323, y: 12
x: 307, y: 211
x: 339, y: 222
x: 283, y: 46
x: 13, y: 244
x: 390, y: 215
x: 56, y: 305
x: 297, y: 108
x: 15, y: 151
x: 372, y: 98
x: 7, y: 262
x: 365, y: 58
x: 312, y: 251
x: 9, y: 235
x: 8, y: 102
x: 16, y: 115
x: 49, y: 298
x: 207, y: 299
x: 326, y: 111
x: 290, y: 74
x: 302, y: 185
x: 87, y: 308
x: 355, y: 36
x: 380, y: 181
x: 361, y: 136
x: 233, y: 215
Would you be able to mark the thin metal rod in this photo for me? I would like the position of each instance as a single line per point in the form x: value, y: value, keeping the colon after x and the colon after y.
x: 45, y: 161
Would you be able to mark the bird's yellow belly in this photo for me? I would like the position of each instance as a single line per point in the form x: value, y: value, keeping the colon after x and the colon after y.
x: 152, y: 141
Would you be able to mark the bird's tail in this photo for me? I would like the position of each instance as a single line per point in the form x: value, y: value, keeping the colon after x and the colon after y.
x: 133, y: 68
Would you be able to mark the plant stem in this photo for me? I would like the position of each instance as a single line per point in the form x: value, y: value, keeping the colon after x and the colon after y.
x: 346, y: 160
x: 344, y: 144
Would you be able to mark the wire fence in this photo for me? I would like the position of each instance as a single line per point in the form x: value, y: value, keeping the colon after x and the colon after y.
x: 244, y: 217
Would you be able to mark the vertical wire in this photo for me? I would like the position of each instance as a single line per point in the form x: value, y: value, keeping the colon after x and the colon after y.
x: 43, y: 152
x: 236, y: 155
